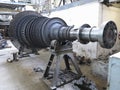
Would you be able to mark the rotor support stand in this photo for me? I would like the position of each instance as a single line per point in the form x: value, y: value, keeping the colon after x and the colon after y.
x: 61, y: 77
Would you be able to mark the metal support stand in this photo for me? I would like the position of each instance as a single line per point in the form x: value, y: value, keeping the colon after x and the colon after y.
x: 61, y: 77
x: 21, y: 54
x: 15, y: 57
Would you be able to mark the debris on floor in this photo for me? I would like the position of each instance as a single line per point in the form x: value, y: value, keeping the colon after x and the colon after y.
x: 38, y: 69
x: 84, y: 84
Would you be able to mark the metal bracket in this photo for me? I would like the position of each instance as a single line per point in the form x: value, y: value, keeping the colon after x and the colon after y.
x: 61, y: 77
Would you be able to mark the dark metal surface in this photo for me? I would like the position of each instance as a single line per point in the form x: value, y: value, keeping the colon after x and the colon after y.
x: 81, y: 36
x: 109, y: 34
x: 13, y: 28
x: 36, y: 31
x: 11, y: 5
x: 46, y: 74
x: 60, y: 77
x: 106, y: 35
x: 8, y: 13
x: 5, y: 23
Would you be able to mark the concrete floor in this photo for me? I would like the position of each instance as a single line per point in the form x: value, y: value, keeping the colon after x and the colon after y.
x: 21, y: 76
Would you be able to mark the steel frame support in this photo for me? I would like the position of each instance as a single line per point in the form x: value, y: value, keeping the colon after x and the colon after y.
x: 58, y: 51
